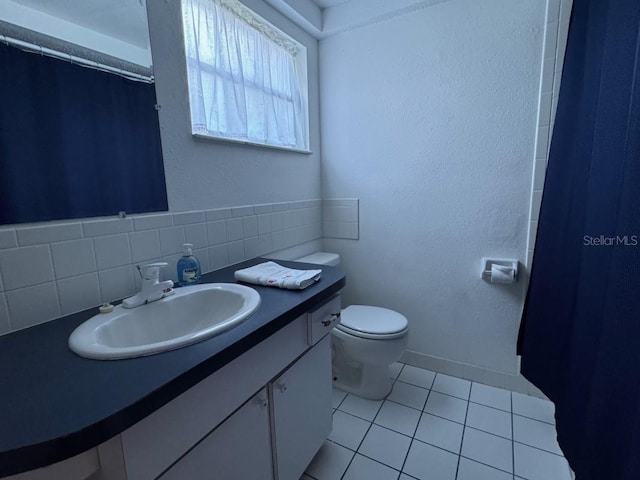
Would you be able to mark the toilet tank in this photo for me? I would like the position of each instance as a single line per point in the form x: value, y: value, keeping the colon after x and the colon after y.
x: 321, y: 258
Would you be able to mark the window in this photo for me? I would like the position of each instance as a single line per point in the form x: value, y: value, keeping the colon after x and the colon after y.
x: 247, y: 79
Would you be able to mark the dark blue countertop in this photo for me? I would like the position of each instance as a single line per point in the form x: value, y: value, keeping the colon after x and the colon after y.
x: 55, y: 404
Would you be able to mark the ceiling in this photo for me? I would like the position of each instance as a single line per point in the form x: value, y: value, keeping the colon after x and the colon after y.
x: 125, y: 20
x: 328, y: 3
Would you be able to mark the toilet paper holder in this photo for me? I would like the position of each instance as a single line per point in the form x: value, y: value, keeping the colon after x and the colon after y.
x: 500, y: 270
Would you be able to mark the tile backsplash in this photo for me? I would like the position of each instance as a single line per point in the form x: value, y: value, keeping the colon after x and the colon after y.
x: 53, y: 269
x: 340, y: 218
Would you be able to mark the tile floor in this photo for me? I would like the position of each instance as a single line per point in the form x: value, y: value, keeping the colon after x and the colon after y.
x: 437, y: 427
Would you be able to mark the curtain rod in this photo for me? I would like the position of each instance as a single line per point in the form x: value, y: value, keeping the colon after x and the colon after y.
x: 36, y: 42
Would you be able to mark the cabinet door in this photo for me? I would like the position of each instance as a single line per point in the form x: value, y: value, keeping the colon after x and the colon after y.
x: 238, y: 449
x: 301, y: 401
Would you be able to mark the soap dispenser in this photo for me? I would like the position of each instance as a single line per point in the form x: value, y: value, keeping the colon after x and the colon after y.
x: 188, y: 267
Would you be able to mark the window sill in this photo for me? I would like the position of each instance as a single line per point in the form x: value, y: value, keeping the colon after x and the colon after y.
x: 212, y: 138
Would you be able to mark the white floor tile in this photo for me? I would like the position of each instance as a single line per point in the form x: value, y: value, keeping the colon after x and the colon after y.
x: 534, y: 464
x: 440, y: 432
x: 452, y: 386
x: 385, y: 446
x: 363, y: 468
x: 489, y: 420
x: 408, y: 395
x: 348, y: 430
x: 417, y: 376
x: 360, y: 407
x: 491, y: 396
x: 488, y: 449
x: 338, y: 396
x: 426, y: 462
x: 398, y: 418
x: 330, y: 462
x: 470, y: 470
x: 446, y: 406
x: 381, y: 433
x: 394, y: 369
x: 536, y: 434
x: 533, y: 407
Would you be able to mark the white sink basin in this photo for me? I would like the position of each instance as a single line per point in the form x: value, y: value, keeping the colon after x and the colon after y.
x: 191, y: 315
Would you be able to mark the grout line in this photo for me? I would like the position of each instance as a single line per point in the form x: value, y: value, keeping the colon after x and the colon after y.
x: 341, y: 401
x: 413, y: 438
x: 538, y: 448
x: 489, y: 433
x: 363, y: 437
x: 377, y: 461
x: 535, y: 419
x: 486, y: 464
x: 464, y: 429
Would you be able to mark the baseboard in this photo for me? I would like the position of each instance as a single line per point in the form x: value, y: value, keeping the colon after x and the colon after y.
x: 494, y: 378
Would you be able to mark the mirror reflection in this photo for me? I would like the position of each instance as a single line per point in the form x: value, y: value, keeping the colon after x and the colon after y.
x: 79, y: 133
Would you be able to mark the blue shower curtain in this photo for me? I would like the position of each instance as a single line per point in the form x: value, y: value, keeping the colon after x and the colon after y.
x: 75, y: 142
x: 580, y: 336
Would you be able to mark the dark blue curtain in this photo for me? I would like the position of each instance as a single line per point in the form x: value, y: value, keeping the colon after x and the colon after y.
x: 75, y: 142
x: 580, y: 336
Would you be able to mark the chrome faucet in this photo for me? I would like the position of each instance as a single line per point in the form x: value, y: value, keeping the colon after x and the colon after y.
x: 152, y: 288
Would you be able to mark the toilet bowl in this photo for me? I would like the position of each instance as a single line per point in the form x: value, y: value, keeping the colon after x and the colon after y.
x: 364, y: 344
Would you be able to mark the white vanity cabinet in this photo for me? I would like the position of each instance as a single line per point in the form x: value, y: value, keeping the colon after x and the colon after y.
x: 263, y: 416
x: 222, y: 429
x: 284, y: 425
x: 238, y: 449
x: 301, y: 420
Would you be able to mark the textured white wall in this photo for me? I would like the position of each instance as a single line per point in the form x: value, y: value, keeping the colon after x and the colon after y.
x: 429, y: 119
x: 206, y: 174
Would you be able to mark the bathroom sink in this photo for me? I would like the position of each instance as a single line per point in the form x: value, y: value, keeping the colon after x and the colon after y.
x: 191, y: 315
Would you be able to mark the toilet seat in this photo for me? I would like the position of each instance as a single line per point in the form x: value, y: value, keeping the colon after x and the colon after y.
x: 372, y: 322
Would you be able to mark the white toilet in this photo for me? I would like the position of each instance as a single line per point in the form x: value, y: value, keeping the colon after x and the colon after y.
x: 365, y: 343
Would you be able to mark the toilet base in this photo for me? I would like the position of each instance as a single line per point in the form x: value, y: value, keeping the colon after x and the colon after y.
x: 371, y: 381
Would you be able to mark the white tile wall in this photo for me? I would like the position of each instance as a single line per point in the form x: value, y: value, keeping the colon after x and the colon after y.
x: 32, y: 305
x: 340, y: 218
x: 53, y: 269
x: 144, y: 245
x: 73, y: 258
x: 48, y: 233
x: 79, y: 293
x: 23, y: 267
x: 233, y: 229
x: 8, y: 238
x: 555, y: 42
x: 112, y: 251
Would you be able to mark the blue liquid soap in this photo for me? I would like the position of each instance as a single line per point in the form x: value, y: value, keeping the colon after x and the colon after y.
x: 188, y: 267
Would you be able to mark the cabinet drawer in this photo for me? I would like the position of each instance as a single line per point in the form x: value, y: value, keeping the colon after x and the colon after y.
x: 323, y: 319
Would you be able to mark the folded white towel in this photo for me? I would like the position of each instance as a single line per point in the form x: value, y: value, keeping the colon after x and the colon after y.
x: 271, y: 274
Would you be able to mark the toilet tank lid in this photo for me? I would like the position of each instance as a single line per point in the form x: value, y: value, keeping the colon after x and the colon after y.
x: 376, y: 320
x: 321, y: 258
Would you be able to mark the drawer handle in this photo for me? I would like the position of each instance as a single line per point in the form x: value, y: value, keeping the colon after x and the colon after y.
x: 282, y: 387
x: 334, y: 317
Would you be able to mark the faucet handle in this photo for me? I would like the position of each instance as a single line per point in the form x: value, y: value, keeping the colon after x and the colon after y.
x: 151, y: 271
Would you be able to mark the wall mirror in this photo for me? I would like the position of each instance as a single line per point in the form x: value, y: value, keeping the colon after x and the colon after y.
x: 79, y: 131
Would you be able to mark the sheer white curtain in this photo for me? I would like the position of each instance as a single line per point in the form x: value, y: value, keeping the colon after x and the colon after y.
x: 243, y: 85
